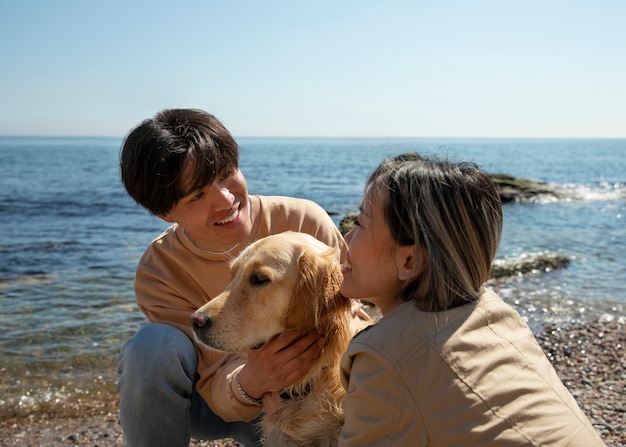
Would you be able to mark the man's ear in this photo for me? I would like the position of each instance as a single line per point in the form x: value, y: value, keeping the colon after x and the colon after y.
x: 165, y: 217
x: 411, y: 262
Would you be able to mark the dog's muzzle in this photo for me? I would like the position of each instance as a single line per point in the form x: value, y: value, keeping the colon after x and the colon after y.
x: 199, y: 322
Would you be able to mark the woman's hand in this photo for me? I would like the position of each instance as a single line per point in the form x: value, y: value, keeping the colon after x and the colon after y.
x: 278, y: 363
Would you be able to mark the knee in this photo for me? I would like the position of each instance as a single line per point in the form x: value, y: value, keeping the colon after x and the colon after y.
x: 158, y: 348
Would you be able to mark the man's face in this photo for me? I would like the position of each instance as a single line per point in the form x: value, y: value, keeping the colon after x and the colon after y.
x: 216, y: 216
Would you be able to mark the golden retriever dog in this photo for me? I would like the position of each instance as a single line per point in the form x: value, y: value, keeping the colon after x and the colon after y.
x: 287, y: 281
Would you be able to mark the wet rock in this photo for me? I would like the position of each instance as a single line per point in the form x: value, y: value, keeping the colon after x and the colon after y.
x: 516, y: 189
x: 347, y: 223
x: 534, y: 262
x: 512, y: 190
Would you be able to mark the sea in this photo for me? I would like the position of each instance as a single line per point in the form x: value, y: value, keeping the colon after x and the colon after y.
x: 71, y: 239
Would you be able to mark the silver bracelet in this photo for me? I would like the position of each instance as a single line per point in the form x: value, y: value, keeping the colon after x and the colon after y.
x: 252, y: 400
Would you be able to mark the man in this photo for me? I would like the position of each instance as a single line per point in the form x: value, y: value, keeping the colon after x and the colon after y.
x: 182, y: 166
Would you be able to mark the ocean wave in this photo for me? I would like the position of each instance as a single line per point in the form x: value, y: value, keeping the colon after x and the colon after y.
x: 30, y: 279
x: 572, y: 192
x: 602, y: 192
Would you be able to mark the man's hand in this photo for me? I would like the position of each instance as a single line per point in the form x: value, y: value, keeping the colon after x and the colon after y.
x: 280, y: 362
x: 271, y: 402
x: 355, y: 306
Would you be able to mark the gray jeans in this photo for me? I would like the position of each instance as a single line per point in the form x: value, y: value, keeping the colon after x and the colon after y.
x: 159, y: 405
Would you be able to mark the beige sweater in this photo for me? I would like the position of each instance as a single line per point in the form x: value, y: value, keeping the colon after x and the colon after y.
x: 470, y: 376
x: 174, y: 278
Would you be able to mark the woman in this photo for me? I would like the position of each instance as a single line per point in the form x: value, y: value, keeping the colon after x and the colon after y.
x: 449, y: 363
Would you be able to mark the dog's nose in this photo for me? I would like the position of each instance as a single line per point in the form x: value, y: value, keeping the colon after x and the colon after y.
x: 198, y: 320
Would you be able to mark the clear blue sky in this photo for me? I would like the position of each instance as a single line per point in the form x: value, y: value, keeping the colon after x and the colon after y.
x: 386, y: 68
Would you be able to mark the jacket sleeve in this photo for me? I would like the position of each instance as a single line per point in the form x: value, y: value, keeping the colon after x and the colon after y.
x: 375, y: 402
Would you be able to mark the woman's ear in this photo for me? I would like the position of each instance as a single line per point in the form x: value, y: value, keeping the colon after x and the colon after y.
x: 411, y: 262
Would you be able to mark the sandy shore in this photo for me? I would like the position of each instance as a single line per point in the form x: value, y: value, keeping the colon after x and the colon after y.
x: 589, y: 358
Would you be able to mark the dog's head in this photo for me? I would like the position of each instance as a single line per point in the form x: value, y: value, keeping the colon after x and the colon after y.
x: 287, y: 281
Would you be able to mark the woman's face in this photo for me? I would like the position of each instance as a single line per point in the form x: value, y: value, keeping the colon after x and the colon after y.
x: 371, y: 270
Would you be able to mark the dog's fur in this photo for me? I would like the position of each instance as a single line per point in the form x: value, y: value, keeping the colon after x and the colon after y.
x: 287, y: 281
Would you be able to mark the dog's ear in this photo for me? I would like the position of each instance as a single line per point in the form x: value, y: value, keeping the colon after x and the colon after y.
x: 316, y: 291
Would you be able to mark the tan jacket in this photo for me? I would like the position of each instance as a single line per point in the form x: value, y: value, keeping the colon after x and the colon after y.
x: 470, y: 376
x: 174, y: 278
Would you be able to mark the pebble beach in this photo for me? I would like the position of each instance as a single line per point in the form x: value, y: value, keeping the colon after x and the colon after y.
x: 588, y: 356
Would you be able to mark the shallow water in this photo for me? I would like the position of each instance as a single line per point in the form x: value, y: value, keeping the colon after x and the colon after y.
x: 71, y: 239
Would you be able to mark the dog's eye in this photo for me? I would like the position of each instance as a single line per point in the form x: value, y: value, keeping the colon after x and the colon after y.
x: 258, y: 279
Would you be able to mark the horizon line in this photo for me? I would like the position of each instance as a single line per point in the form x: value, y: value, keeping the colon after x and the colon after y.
x: 349, y: 137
